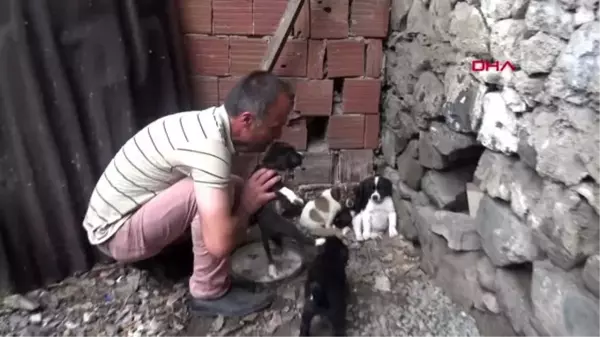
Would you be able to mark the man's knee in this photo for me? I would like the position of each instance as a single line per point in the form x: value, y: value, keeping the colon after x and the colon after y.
x: 184, y: 191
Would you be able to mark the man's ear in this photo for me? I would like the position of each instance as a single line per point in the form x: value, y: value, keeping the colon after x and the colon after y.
x: 247, y: 118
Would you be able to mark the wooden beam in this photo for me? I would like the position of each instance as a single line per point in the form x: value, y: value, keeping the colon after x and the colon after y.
x: 281, y: 34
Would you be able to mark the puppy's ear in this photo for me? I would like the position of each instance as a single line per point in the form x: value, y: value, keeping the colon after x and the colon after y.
x: 294, y: 159
x: 386, y: 186
x: 336, y: 193
x: 269, y: 156
x: 359, y: 198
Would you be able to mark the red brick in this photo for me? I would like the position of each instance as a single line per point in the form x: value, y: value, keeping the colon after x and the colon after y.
x: 232, y: 17
x: 314, y: 97
x: 205, y: 92
x: 245, y: 54
x: 374, y: 58
x: 345, y: 58
x: 361, y: 95
x: 225, y: 85
x: 316, y: 59
x: 302, y: 24
x: 242, y: 164
x: 296, y: 134
x: 371, y: 131
x: 346, y: 131
x: 292, y: 60
x: 266, y: 15
x: 195, y: 16
x: 208, y: 55
x: 370, y: 18
x: 329, y: 19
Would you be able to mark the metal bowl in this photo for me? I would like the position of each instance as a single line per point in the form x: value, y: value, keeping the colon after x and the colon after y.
x: 249, y: 262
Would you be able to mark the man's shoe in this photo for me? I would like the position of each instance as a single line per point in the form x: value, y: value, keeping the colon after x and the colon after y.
x: 237, y: 302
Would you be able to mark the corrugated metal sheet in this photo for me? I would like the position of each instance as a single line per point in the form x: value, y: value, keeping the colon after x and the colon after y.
x: 77, y: 78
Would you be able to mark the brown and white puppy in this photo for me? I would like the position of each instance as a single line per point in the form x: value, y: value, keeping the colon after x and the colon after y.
x: 322, y: 211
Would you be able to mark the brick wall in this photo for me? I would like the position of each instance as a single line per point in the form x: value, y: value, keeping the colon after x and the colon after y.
x: 333, y: 58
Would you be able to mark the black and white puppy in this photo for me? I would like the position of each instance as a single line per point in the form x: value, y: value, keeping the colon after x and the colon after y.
x: 282, y: 157
x: 343, y: 220
x: 326, y: 287
x: 322, y: 211
x: 273, y: 225
x: 374, y: 210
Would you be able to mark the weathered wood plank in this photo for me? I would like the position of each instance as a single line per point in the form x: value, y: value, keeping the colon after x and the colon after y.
x: 281, y: 34
x: 317, y: 169
x: 354, y: 165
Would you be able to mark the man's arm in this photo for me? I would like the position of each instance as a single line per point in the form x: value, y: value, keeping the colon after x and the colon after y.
x: 210, y: 164
x: 220, y: 228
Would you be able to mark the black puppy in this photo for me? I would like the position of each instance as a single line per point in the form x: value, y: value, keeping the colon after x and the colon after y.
x: 273, y: 226
x: 343, y: 220
x: 326, y: 286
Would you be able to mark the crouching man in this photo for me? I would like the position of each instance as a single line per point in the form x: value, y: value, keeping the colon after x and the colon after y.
x: 174, y: 176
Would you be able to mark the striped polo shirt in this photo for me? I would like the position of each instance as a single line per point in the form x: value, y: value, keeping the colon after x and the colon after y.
x: 194, y: 144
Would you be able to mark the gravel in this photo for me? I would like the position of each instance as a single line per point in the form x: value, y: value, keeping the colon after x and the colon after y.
x: 391, y: 296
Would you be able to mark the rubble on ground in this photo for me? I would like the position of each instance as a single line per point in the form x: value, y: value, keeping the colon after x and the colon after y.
x: 390, y: 296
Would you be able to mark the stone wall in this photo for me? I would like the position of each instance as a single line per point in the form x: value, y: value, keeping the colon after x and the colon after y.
x: 497, y: 172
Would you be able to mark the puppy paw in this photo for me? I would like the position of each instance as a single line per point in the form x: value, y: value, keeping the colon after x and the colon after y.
x: 359, y: 237
x: 273, y: 271
x: 298, y: 201
x: 393, y: 233
x: 345, y: 231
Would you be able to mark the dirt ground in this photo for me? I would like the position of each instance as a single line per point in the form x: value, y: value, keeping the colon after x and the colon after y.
x: 391, y: 296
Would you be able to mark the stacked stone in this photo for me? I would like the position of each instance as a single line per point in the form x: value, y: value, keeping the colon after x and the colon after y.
x: 497, y: 172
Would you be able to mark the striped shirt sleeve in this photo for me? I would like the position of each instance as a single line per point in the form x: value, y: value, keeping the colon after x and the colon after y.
x: 209, y: 162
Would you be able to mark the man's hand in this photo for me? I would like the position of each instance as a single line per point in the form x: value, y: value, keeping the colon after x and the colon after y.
x: 255, y: 193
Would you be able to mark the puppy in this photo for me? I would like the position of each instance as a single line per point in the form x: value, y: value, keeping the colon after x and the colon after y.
x: 283, y: 157
x: 323, y: 210
x: 374, y: 209
x: 343, y: 220
x: 326, y: 286
x: 273, y: 226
